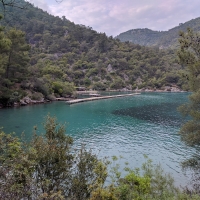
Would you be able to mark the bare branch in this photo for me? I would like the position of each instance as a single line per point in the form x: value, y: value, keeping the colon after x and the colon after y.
x: 12, y: 3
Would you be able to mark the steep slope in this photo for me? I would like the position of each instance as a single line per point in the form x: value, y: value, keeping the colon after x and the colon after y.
x: 162, y: 39
x: 64, y: 55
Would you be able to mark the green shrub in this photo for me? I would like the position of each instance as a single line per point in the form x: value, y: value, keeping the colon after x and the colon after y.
x: 63, y: 88
x: 37, y: 96
x: 117, y: 84
x: 99, y: 86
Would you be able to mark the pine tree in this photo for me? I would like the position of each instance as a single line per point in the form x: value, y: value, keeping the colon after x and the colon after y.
x: 189, y: 56
x: 14, y: 60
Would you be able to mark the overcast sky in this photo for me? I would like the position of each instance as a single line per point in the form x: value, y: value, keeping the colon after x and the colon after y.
x: 116, y: 16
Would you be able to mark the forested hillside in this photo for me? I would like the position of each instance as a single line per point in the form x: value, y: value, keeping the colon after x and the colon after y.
x: 161, y: 39
x: 52, y: 56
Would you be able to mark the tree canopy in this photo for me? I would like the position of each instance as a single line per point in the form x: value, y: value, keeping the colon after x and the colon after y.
x: 189, y: 56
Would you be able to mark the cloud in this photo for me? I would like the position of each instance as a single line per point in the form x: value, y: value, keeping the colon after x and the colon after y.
x: 41, y: 4
x: 116, y: 16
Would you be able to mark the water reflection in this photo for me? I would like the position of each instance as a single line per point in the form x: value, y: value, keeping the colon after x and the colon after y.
x: 163, y: 114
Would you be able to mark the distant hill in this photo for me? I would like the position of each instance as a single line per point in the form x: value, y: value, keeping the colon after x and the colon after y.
x: 162, y: 39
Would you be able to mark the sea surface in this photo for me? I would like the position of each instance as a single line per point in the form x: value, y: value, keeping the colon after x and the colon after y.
x: 129, y: 127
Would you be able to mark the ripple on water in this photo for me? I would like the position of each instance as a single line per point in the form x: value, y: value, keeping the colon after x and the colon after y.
x: 130, y: 127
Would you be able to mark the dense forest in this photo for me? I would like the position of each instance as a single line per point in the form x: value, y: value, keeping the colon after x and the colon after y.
x: 161, y: 39
x: 47, y: 57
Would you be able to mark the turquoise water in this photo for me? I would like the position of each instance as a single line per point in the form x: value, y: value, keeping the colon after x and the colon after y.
x: 129, y: 126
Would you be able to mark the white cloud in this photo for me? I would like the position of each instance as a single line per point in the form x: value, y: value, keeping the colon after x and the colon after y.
x: 41, y: 4
x: 116, y: 16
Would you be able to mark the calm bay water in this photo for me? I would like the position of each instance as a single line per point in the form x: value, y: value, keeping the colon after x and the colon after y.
x: 130, y: 127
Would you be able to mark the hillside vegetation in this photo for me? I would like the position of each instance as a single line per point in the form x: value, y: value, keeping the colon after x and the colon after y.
x: 161, y: 39
x: 62, y: 56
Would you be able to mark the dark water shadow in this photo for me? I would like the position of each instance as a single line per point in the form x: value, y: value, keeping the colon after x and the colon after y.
x: 164, y: 113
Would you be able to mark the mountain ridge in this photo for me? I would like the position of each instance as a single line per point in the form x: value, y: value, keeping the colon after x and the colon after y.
x: 161, y: 39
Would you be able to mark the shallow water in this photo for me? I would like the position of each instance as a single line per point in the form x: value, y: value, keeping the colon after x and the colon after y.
x: 130, y: 127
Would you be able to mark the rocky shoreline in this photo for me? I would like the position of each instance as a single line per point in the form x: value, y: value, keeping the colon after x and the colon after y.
x: 164, y: 89
x: 28, y: 101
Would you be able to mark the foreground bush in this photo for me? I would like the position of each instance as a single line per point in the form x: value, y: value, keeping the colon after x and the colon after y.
x: 49, y: 168
x: 148, y: 183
